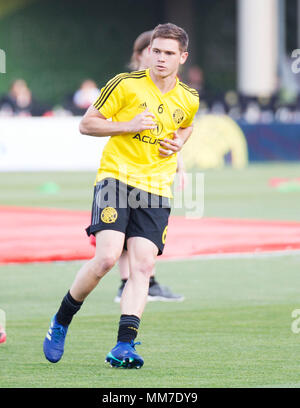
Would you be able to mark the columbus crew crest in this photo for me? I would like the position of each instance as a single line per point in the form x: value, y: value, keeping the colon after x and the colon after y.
x: 109, y: 215
x: 178, y: 116
x: 159, y: 128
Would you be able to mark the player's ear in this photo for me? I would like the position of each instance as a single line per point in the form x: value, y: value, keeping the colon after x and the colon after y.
x: 183, y: 57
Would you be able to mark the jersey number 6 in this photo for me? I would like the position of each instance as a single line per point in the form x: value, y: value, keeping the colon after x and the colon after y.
x: 160, y: 108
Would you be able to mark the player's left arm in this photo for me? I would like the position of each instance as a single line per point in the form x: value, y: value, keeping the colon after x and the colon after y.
x: 171, y: 146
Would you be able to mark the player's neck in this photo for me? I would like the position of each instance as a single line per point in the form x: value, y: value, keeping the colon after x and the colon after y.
x: 164, y: 84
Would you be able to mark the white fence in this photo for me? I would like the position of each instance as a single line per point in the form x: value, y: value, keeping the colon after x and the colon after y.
x: 33, y: 144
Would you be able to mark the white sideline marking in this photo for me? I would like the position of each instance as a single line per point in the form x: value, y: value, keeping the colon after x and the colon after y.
x: 236, y: 255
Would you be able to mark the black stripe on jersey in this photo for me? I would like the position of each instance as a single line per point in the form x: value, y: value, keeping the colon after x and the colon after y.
x: 111, y: 84
x: 187, y: 87
x: 121, y: 76
x: 107, y: 85
x: 107, y: 96
x: 108, y: 91
x: 114, y: 85
x: 143, y: 71
x: 191, y: 90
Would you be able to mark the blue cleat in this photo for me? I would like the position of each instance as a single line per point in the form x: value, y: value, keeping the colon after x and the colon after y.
x: 124, y: 355
x: 54, y: 341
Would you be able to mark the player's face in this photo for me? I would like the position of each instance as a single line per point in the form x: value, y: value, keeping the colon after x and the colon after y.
x: 166, y: 56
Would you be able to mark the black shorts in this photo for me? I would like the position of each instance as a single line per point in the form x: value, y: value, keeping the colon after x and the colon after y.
x: 137, y: 213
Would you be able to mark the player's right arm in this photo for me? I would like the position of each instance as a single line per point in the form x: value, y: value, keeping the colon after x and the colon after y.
x: 94, y: 123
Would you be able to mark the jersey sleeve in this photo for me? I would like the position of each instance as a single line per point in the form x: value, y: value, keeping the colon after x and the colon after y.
x: 194, y: 109
x: 111, y: 98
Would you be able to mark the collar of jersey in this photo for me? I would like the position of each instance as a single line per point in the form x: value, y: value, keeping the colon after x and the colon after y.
x: 156, y: 88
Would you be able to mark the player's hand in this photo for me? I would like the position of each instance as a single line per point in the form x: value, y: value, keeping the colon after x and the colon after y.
x: 142, y: 121
x: 170, y: 146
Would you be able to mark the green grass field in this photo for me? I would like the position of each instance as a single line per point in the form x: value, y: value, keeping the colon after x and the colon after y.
x: 232, y: 330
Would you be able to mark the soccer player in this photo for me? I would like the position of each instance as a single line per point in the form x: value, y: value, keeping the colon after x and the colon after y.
x: 140, y: 60
x: 152, y: 114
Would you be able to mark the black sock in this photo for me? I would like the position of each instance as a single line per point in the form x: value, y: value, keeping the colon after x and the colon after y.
x: 128, y: 328
x: 68, y: 308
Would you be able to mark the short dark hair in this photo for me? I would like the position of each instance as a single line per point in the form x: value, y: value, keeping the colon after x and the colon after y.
x: 173, y: 32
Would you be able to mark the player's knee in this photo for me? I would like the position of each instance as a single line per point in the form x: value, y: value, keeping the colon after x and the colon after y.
x: 104, y: 264
x: 146, y: 266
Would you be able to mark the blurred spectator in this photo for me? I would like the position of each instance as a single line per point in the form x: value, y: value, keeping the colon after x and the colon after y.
x: 195, y: 79
x: 232, y: 104
x: 80, y: 100
x: 140, y: 56
x: 252, y: 109
x: 20, y: 102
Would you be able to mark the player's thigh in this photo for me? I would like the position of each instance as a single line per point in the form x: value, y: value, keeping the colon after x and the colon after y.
x: 150, y: 223
x: 109, y: 246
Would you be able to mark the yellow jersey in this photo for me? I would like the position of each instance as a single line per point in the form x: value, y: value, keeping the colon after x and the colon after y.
x: 134, y: 158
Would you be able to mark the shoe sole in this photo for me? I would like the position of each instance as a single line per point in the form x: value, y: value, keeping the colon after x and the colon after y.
x: 128, y: 362
x: 164, y: 299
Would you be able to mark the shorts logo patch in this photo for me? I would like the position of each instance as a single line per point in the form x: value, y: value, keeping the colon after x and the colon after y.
x: 109, y: 215
x: 164, y: 235
x: 178, y: 116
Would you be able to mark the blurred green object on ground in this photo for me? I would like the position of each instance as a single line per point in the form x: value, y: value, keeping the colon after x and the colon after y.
x: 49, y: 188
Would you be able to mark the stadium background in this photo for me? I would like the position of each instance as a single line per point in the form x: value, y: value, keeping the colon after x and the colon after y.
x: 241, y: 300
x: 56, y: 44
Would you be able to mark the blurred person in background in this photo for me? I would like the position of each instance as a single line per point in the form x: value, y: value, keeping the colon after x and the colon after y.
x: 195, y: 79
x: 20, y: 102
x: 140, y: 58
x: 82, y: 98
